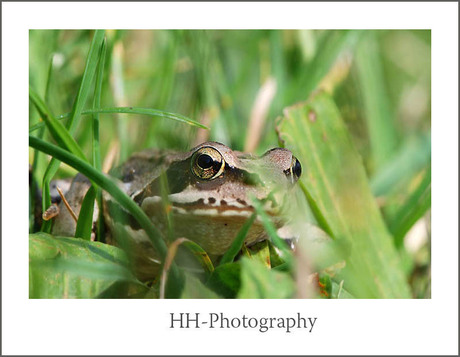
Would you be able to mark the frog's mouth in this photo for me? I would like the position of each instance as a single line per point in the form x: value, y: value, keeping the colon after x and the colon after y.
x: 204, y: 206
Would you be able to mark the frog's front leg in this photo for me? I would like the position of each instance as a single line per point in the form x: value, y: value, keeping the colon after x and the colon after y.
x: 65, y: 224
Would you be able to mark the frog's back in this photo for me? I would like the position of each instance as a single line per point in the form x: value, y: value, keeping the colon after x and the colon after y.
x: 144, y: 167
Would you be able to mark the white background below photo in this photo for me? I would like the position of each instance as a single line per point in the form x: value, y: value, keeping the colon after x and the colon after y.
x: 143, y: 326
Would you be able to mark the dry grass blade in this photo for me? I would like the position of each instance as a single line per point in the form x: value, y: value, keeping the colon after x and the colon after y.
x: 259, y: 114
x: 199, y: 253
x: 168, y: 261
x: 72, y: 213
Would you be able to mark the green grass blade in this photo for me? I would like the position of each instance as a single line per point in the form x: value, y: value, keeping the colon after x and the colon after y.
x: 57, y: 130
x: 85, y: 218
x: 377, y: 105
x: 412, y: 157
x: 271, y: 231
x: 237, y: 243
x: 46, y: 196
x: 149, y: 112
x: 96, y: 147
x: 37, y: 154
x: 414, y: 208
x: 329, y: 47
x: 90, y: 69
x: 200, y: 255
x: 336, y: 180
x: 132, y: 110
x: 225, y: 280
x: 279, y: 70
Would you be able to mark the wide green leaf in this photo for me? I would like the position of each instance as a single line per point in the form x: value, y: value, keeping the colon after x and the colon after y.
x: 63, y: 267
x: 338, y: 190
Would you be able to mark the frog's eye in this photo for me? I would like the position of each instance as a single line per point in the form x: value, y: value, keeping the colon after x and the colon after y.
x: 207, y: 163
x: 296, y: 169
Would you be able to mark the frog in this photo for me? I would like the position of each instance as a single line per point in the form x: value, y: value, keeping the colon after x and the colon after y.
x: 205, y: 195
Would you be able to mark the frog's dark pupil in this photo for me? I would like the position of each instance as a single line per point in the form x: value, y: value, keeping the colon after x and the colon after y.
x: 297, y: 168
x: 205, y: 161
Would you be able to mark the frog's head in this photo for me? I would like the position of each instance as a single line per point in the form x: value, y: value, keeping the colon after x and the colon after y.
x: 210, y: 190
x: 213, y: 179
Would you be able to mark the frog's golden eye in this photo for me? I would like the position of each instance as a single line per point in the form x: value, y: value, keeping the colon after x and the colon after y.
x: 207, y: 163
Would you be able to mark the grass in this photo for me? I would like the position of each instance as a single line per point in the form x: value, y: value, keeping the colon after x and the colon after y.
x: 90, y: 89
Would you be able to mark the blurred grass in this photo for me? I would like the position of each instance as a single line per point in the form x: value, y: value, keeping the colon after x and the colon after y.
x: 380, y: 82
x: 193, y: 72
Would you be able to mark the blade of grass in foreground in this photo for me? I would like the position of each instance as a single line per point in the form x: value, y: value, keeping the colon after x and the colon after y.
x: 96, y: 147
x: 337, y: 183
x: 85, y: 218
x: 271, y: 231
x: 231, y: 252
x: 37, y: 154
x: 131, y: 110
